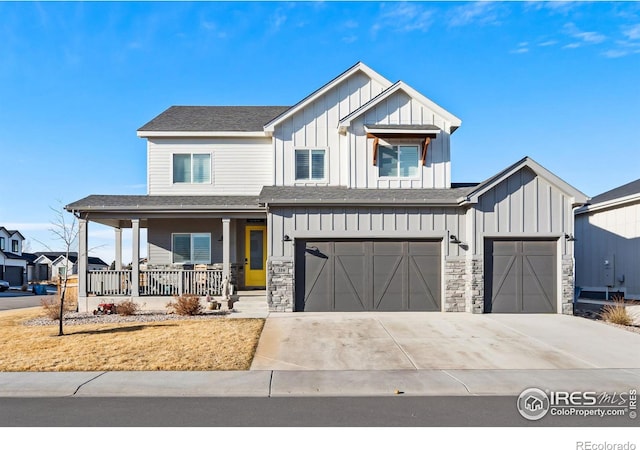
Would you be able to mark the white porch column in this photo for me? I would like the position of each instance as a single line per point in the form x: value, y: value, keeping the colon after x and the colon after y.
x: 118, y: 249
x: 135, y: 257
x: 83, y: 258
x: 226, y: 249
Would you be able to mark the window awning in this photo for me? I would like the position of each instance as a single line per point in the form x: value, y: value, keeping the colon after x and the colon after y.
x: 399, y: 131
x: 422, y: 132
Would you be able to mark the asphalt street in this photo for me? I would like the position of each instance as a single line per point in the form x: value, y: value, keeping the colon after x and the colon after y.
x: 433, y: 411
x: 17, y: 300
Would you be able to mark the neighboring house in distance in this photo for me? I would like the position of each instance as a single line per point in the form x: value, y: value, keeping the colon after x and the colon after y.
x: 63, y: 265
x: 13, y: 266
x: 608, y: 244
x: 43, y: 265
x: 341, y: 202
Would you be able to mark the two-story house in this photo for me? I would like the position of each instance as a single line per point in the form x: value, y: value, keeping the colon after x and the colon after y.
x: 341, y: 202
x: 13, y: 265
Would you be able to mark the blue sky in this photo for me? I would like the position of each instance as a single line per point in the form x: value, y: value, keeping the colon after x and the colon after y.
x: 556, y: 81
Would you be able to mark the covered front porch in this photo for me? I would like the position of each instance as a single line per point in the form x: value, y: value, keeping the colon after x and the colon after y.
x: 193, y: 245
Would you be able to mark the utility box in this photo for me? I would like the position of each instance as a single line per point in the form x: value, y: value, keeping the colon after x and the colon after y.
x: 609, y: 271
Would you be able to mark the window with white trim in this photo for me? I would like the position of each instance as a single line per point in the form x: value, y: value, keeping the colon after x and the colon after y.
x: 398, y: 161
x: 310, y: 164
x: 1, y: 243
x: 194, y: 248
x: 192, y: 168
x: 15, y: 248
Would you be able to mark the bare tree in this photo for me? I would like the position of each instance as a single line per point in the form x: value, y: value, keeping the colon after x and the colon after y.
x: 66, y: 232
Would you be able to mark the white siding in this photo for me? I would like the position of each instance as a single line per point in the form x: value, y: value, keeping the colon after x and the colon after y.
x: 523, y: 205
x: 400, y: 109
x: 316, y: 126
x: 350, y: 157
x: 241, y: 166
x: 604, y: 234
x: 364, y: 222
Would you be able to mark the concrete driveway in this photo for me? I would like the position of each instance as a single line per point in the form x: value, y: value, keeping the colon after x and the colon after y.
x: 401, y: 341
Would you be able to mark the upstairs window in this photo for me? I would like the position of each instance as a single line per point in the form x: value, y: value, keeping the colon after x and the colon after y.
x: 398, y: 161
x: 192, y: 248
x: 310, y: 164
x: 192, y: 168
x: 14, y: 246
x: 1, y: 243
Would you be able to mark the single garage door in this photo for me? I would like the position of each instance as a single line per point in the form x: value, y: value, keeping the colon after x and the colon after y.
x: 368, y: 275
x: 13, y: 275
x: 520, y: 276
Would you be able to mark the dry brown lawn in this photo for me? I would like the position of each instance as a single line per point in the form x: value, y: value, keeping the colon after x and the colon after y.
x: 215, y: 344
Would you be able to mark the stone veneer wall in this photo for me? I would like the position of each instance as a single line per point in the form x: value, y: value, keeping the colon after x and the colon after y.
x: 475, y: 292
x: 280, y: 293
x: 455, y: 285
x: 567, y: 285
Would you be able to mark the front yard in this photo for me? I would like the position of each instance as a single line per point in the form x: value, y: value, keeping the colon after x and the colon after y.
x: 212, y: 343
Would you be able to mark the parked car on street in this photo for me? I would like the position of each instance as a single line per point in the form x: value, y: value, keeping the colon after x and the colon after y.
x: 4, y: 285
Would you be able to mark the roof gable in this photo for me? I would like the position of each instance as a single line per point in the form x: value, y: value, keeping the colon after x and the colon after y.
x: 455, y: 122
x: 358, y: 67
x: 578, y: 197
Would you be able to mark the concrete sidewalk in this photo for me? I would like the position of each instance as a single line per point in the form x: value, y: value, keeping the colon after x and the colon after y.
x: 267, y: 383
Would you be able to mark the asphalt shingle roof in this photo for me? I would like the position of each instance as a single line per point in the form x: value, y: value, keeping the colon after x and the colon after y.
x: 162, y: 202
x: 619, y: 192
x: 332, y: 194
x: 214, y: 118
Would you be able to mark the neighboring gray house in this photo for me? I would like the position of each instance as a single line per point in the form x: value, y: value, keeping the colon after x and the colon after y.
x: 608, y: 244
x: 341, y: 202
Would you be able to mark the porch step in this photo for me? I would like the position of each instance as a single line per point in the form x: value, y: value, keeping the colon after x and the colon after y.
x: 251, y: 304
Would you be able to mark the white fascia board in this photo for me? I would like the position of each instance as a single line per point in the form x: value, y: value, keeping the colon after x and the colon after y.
x: 41, y: 259
x: 156, y: 134
x: 59, y: 258
x: 270, y: 127
x: 398, y: 130
x: 609, y: 204
x: 400, y: 85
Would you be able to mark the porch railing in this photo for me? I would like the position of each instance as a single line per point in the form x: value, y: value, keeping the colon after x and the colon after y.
x: 109, y: 282
x: 156, y: 282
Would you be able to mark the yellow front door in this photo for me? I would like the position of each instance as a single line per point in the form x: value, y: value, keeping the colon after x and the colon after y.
x: 255, y: 256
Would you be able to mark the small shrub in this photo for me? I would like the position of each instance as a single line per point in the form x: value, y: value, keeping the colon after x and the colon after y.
x: 23, y: 288
x: 186, y: 305
x: 51, y: 307
x: 616, y: 313
x: 127, y: 308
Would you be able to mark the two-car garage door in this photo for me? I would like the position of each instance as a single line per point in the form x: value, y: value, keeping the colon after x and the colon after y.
x: 368, y: 275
